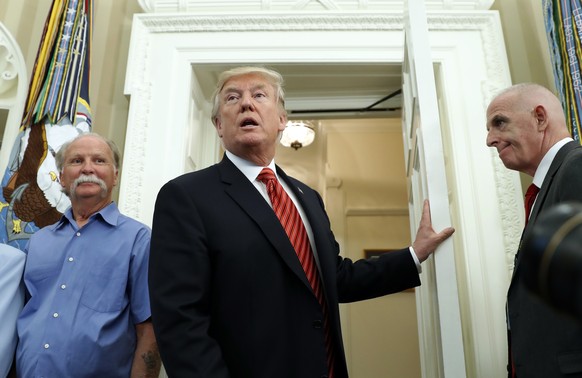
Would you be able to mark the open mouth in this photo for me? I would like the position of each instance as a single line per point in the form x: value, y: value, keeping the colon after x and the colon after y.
x: 248, y: 122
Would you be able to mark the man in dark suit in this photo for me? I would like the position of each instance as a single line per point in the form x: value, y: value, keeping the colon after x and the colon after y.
x: 527, y: 126
x: 230, y: 297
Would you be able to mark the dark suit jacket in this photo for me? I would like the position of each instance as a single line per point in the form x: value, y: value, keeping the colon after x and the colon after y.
x: 229, y: 296
x: 545, y: 343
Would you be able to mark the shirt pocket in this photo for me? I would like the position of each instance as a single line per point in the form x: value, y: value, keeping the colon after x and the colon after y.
x: 104, y: 291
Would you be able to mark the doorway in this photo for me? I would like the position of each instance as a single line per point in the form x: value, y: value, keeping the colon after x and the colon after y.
x: 168, y: 116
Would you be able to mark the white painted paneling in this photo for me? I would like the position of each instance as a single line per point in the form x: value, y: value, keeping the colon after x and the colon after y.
x: 422, y: 133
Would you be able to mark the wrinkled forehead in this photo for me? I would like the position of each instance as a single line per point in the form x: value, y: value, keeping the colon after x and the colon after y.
x: 504, y: 103
x: 498, y: 104
x: 89, y: 145
x: 498, y: 110
x: 250, y: 81
x: 515, y: 100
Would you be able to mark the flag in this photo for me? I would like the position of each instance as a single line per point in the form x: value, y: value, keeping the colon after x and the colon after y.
x: 563, y: 20
x: 56, y: 110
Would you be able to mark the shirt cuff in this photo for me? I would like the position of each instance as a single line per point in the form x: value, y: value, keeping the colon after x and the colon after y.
x: 415, y: 258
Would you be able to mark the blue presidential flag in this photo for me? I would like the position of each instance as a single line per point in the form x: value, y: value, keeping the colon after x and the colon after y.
x: 57, y: 109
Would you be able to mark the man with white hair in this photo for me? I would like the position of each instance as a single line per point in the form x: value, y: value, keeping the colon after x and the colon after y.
x: 88, y: 312
x: 527, y: 126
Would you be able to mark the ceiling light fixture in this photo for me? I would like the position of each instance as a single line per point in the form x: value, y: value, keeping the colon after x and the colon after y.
x: 297, y: 134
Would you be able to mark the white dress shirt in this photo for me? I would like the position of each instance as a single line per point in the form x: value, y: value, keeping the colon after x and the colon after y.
x: 544, y: 166
x: 251, y: 171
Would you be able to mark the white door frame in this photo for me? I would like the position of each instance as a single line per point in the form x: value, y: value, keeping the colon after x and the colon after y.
x: 169, y: 132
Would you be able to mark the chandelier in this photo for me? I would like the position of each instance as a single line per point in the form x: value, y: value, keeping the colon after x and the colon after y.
x: 297, y: 134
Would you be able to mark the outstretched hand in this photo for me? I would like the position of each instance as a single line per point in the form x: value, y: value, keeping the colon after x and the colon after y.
x: 427, y: 240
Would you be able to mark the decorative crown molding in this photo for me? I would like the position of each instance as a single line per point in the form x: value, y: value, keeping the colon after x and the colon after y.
x: 184, y: 6
x: 185, y: 23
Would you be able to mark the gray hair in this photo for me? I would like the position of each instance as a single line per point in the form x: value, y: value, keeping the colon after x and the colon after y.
x: 60, y: 156
x: 273, y: 77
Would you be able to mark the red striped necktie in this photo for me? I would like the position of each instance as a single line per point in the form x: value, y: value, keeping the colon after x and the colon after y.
x: 291, y: 221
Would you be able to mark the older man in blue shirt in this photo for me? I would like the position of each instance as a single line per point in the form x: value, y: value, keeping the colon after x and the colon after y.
x: 88, y: 314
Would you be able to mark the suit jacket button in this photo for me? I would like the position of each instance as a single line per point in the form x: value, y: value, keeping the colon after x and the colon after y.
x: 317, y: 324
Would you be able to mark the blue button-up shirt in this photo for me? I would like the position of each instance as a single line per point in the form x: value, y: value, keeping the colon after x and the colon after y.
x: 88, y: 290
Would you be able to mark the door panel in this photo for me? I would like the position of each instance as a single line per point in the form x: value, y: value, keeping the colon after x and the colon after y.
x: 439, y: 320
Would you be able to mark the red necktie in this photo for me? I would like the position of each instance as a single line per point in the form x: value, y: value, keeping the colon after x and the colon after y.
x: 530, y: 196
x: 291, y: 221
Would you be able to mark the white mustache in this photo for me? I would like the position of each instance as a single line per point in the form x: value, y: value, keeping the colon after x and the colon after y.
x: 88, y: 179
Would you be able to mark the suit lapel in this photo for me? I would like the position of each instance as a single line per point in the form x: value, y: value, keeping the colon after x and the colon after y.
x: 541, y: 198
x: 243, y: 192
x: 556, y: 163
x: 317, y: 220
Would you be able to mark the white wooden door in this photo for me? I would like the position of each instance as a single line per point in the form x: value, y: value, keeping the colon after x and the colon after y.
x: 439, y: 317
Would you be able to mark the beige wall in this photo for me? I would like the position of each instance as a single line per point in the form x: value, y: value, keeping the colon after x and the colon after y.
x: 525, y: 41
x: 382, y: 332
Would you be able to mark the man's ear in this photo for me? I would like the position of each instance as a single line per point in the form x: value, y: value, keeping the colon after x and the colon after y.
x: 61, y: 178
x: 282, y: 121
x: 218, y: 126
x: 541, y: 116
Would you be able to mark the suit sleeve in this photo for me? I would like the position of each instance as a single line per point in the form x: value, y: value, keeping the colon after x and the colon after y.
x: 371, y: 278
x: 179, y: 283
x: 364, y: 279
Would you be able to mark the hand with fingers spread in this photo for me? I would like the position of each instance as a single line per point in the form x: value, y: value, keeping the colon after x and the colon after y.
x: 427, y: 240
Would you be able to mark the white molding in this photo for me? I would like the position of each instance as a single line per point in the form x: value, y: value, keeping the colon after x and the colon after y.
x: 13, y: 91
x: 161, y: 6
x: 270, y: 22
x: 8, y: 66
x: 510, y: 208
x: 472, y: 66
x: 506, y: 182
x: 134, y: 158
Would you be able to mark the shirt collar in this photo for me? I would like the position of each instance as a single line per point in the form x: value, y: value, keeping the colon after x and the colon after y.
x: 250, y: 170
x: 109, y: 214
x: 544, y: 166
